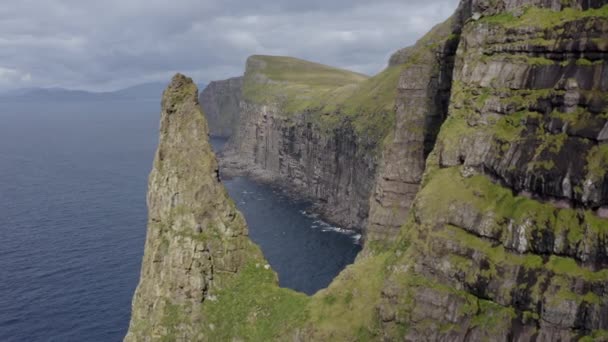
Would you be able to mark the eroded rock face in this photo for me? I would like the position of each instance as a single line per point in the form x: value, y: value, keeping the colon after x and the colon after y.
x: 555, y: 97
x: 421, y: 106
x: 220, y: 101
x: 196, y: 238
x: 504, y: 241
x: 334, y: 168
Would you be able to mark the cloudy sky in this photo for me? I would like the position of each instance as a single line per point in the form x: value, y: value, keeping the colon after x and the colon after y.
x: 110, y: 44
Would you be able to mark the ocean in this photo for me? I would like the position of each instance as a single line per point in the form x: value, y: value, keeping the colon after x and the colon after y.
x: 73, y: 180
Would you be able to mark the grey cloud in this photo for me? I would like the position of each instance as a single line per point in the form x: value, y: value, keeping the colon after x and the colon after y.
x: 101, y: 45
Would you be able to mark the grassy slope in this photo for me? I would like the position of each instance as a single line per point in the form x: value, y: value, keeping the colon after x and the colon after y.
x: 543, y: 18
x: 329, y: 95
x: 294, y: 84
x: 253, y: 308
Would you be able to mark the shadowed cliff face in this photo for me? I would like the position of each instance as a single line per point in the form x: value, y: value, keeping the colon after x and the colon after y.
x: 421, y: 103
x: 220, y: 101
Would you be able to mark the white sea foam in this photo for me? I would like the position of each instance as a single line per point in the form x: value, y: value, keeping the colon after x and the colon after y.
x: 327, y: 227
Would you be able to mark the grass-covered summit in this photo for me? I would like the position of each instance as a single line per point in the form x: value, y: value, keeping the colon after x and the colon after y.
x: 293, y: 84
x: 324, y: 94
x: 290, y: 70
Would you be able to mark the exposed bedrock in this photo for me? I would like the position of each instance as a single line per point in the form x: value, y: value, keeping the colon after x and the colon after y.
x: 421, y: 106
x: 507, y: 237
x: 197, y: 240
x: 288, y: 135
x: 220, y: 102
x: 535, y: 108
x: 334, y: 169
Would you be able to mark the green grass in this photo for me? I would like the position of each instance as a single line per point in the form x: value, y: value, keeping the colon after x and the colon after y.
x: 523, y: 59
x: 569, y: 267
x: 294, y: 70
x: 291, y: 83
x: 344, y: 311
x: 329, y: 96
x: 580, y: 119
x: 496, y: 255
x: 509, y: 127
x: 173, y: 317
x: 370, y: 105
x: 596, y: 335
x: 493, y: 318
x: 254, y: 308
x: 597, y: 162
x: 447, y: 187
x: 332, y: 95
x: 448, y: 193
x: 583, y: 62
x: 544, y: 18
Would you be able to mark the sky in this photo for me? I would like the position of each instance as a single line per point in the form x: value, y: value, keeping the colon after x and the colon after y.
x: 106, y: 45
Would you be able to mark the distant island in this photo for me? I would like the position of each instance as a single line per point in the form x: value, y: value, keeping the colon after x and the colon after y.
x: 145, y: 91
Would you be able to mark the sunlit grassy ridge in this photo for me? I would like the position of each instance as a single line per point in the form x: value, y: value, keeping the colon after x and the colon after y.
x: 327, y: 95
x: 294, y: 70
x: 545, y: 18
x: 292, y: 83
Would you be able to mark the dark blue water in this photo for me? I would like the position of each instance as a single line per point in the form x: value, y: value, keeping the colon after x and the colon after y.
x: 72, y: 220
x: 305, y: 251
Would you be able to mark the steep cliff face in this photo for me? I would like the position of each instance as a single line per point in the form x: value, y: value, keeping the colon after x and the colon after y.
x: 421, y: 103
x: 506, y: 240
x: 293, y: 131
x: 197, y: 244
x: 220, y: 102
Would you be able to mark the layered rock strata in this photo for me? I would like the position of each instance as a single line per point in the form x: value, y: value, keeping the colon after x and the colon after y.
x: 288, y: 138
x: 423, y: 94
x: 197, y: 242
x: 506, y: 238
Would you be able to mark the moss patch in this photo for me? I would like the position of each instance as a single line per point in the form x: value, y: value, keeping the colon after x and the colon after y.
x: 597, y: 162
x: 493, y: 318
x: 544, y: 18
x: 446, y: 188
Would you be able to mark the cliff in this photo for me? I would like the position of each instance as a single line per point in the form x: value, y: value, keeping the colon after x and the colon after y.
x: 487, y: 200
x: 423, y: 93
x: 197, y: 247
x: 506, y: 236
x: 220, y: 102
x: 315, y: 129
